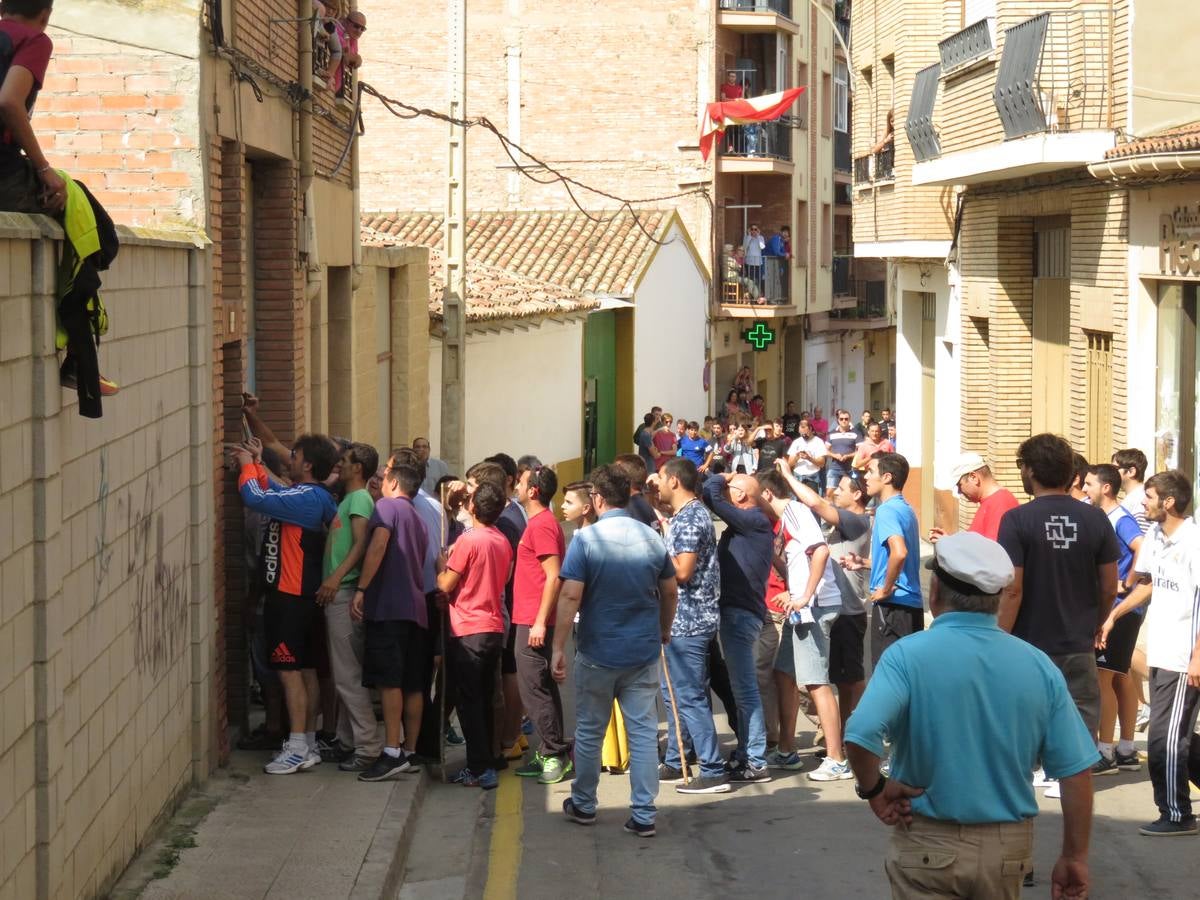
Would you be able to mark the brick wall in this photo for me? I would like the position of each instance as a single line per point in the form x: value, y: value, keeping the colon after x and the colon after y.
x: 105, y: 558
x: 640, y: 103
x: 124, y: 121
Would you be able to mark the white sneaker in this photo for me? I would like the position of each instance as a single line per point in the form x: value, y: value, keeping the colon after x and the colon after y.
x: 1053, y: 791
x: 313, y: 759
x: 1040, y: 780
x: 830, y: 770
x: 1143, y: 718
x: 290, y: 759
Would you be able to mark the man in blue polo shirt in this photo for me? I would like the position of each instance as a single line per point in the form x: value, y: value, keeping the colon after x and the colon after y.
x: 895, y: 556
x: 618, y: 577
x: 970, y: 710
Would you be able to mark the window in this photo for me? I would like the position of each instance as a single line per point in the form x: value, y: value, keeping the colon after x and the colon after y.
x: 826, y: 104
x: 800, y: 109
x: 1099, y: 395
x: 841, y: 97
x: 1175, y: 436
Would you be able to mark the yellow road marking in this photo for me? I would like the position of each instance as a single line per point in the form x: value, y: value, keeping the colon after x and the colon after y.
x: 504, y: 854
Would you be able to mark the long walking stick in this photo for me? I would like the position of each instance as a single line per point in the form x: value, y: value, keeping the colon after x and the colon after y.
x: 675, y: 713
x: 442, y: 681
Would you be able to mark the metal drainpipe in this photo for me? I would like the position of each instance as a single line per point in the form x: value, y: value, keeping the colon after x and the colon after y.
x: 307, y: 232
x: 356, y: 189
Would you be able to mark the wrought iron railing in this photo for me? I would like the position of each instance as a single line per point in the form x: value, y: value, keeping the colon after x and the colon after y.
x: 772, y: 140
x: 872, y: 303
x: 885, y: 163
x: 1056, y: 73
x: 841, y: 275
x: 769, y: 283
x: 783, y: 7
x: 862, y: 169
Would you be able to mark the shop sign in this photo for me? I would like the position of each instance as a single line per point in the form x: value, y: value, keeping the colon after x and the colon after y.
x: 1179, y: 241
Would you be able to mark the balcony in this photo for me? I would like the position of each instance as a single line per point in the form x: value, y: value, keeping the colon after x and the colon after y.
x: 843, y: 27
x: 757, y: 16
x: 973, y: 44
x: 764, y: 148
x: 842, y: 266
x: 876, y: 169
x: 763, y: 293
x: 1051, y: 101
x: 864, y: 307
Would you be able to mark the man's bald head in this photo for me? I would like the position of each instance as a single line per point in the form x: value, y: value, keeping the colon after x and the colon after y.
x: 743, y: 491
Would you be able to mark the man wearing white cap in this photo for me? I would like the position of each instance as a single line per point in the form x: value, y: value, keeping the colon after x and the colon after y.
x: 970, y: 710
x: 974, y: 482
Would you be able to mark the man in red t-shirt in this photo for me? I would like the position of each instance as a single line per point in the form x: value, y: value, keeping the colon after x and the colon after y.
x: 27, y: 182
x: 474, y: 579
x: 535, y: 592
x: 975, y: 483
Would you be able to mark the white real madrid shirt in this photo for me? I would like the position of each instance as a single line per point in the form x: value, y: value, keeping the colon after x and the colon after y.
x: 1173, y: 617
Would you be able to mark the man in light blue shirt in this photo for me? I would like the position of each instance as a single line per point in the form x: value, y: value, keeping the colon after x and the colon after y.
x: 895, y: 556
x: 618, y: 577
x: 970, y: 710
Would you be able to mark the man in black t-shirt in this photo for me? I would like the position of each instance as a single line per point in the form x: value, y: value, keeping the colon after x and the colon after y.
x: 1065, y: 554
x: 791, y: 420
x: 771, y: 444
x: 634, y: 468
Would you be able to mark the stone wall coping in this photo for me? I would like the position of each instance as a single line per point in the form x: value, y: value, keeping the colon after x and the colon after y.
x: 23, y: 226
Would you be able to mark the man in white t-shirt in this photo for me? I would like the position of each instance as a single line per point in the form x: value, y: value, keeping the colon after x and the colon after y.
x: 816, y: 600
x: 1170, y: 562
x: 806, y: 456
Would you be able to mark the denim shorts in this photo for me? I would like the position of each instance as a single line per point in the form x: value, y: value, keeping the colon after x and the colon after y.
x: 810, y: 646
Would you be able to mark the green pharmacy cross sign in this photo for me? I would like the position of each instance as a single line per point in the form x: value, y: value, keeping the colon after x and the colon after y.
x: 760, y: 336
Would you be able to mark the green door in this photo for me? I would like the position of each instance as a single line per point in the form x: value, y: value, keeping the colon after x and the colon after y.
x: 600, y: 390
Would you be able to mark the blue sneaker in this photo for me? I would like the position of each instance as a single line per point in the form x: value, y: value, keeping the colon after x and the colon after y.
x: 790, y: 761
x: 489, y: 780
x: 526, y: 726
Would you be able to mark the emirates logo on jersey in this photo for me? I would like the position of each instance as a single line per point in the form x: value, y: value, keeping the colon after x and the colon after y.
x: 1061, y: 532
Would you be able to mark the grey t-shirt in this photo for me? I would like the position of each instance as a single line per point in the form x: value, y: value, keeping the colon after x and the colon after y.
x: 852, y: 535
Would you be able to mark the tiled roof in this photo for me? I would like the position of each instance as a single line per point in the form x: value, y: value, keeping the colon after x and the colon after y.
x: 564, y: 248
x: 1184, y: 139
x: 498, y: 294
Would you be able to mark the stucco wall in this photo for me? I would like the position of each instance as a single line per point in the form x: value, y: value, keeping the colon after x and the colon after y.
x: 106, y: 622
x: 524, y: 390
x: 670, y: 308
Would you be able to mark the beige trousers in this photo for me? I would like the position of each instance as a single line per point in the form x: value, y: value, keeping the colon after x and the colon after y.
x: 764, y: 666
x: 934, y: 858
x: 345, y: 664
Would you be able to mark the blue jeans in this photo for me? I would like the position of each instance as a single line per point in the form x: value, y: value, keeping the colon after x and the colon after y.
x: 687, y: 662
x: 740, y: 629
x: 595, y: 689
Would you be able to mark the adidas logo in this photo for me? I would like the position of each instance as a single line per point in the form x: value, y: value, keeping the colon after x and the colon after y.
x: 282, y: 654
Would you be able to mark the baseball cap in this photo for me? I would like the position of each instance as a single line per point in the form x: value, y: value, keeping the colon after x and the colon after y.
x: 965, y: 465
x: 971, y: 563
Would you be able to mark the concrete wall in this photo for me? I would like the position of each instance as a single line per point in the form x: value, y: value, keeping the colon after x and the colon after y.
x: 671, y: 331
x: 106, y: 624
x: 524, y: 390
x: 1160, y: 44
x: 844, y: 355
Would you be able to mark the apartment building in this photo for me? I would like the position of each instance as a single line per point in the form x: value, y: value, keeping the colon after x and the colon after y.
x: 627, y: 123
x: 1007, y: 244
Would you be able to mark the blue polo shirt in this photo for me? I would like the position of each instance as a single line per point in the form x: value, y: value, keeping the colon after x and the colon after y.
x: 970, y: 710
x: 620, y: 562
x: 892, y: 517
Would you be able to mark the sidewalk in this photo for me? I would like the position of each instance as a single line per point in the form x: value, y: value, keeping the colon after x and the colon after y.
x: 319, y: 833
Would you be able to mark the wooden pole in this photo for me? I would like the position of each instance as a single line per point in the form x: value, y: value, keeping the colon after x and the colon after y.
x: 675, y: 714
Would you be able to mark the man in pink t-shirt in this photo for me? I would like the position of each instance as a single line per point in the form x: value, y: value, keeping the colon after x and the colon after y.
x: 474, y: 579
x: 535, y: 593
x: 27, y: 181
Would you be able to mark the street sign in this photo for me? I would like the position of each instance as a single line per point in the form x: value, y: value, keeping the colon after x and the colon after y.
x: 760, y: 336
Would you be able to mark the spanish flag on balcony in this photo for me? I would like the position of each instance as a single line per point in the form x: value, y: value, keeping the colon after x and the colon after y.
x: 719, y: 116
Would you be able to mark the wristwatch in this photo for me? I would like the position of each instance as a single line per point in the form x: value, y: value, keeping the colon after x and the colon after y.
x: 873, y: 792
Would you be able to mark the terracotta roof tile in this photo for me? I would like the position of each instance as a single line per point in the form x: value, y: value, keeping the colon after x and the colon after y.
x: 564, y: 248
x: 1184, y: 139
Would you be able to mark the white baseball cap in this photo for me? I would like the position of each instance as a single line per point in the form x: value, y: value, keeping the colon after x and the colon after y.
x: 965, y: 465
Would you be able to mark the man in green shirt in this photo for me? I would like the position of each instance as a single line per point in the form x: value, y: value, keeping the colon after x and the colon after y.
x: 344, y: 550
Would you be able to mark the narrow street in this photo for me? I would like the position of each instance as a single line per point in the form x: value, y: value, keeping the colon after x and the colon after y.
x: 790, y: 837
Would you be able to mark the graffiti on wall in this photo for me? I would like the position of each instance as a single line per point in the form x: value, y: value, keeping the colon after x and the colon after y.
x: 156, y: 571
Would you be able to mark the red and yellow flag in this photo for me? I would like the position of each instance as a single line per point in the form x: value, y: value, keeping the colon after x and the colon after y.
x: 720, y: 115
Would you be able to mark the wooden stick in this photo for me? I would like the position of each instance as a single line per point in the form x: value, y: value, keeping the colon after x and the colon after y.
x: 675, y: 713
x: 442, y: 641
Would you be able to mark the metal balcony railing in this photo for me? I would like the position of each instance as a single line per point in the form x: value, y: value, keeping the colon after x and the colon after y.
x: 862, y: 169
x: 885, y: 162
x: 843, y: 27
x: 872, y: 303
x: 973, y: 42
x: 768, y: 283
x: 771, y: 140
x: 1056, y: 73
x: 783, y: 7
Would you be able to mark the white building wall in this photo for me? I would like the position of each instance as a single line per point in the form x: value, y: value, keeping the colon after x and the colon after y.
x: 906, y: 281
x: 842, y: 355
x: 1146, y: 207
x: 524, y: 391
x: 671, y: 332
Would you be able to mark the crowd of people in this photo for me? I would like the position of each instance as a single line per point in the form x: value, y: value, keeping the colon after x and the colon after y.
x: 764, y: 570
